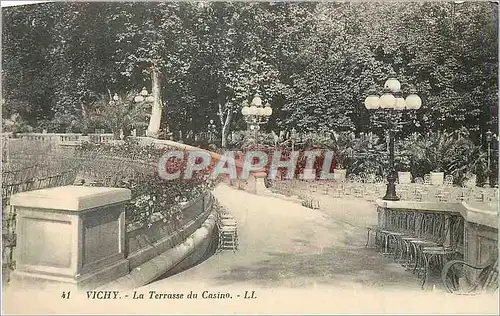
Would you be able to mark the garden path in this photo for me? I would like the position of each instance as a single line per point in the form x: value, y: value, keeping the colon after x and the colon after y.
x: 285, y: 244
x: 300, y: 260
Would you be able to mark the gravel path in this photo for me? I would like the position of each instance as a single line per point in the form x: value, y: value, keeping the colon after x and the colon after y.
x: 286, y: 245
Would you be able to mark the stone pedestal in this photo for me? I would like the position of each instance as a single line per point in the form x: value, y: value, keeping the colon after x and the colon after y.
x: 257, y: 185
x: 72, y: 235
x: 481, y: 233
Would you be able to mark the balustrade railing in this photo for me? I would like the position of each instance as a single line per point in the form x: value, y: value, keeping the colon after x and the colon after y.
x: 62, y: 137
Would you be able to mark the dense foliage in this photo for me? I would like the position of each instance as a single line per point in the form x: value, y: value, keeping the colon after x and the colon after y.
x: 312, y: 61
x: 134, y: 166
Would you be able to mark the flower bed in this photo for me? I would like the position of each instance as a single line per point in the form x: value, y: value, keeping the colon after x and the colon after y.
x: 133, y: 166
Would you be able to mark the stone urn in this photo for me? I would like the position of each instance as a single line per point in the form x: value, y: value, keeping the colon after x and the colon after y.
x: 404, y: 177
x: 437, y: 178
x: 340, y: 174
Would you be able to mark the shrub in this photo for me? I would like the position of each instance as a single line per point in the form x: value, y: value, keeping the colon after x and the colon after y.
x: 133, y: 166
x: 122, y: 115
x: 369, y: 156
x: 450, y: 152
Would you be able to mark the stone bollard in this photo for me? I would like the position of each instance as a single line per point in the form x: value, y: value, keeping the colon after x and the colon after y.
x: 259, y: 184
x: 72, y: 236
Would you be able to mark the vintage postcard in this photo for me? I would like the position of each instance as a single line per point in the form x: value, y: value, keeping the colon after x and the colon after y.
x: 236, y: 157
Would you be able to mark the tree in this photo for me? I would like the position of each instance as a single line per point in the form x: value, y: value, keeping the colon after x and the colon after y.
x: 120, y: 116
x: 314, y: 62
x: 152, y: 40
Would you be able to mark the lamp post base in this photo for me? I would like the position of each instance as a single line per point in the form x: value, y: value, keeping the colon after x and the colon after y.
x: 389, y: 197
x: 390, y: 194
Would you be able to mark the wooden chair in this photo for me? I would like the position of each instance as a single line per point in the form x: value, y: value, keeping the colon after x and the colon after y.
x: 375, y: 230
x: 448, y: 180
x: 228, y: 232
x: 443, y: 194
x: 370, y: 192
x: 458, y: 279
x: 427, y: 179
x: 404, y: 191
x: 443, y: 252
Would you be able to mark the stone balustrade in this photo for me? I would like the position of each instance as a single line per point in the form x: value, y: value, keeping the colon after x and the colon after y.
x: 63, y: 138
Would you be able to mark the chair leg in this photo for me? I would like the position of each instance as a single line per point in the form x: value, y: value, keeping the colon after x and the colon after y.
x: 368, y: 238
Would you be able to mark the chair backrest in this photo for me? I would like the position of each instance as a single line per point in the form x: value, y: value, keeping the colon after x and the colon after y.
x: 427, y: 179
x: 448, y: 180
x: 362, y: 177
x: 353, y: 178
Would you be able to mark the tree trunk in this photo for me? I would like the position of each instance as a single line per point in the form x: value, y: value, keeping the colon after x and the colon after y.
x: 156, y: 110
x: 225, y: 129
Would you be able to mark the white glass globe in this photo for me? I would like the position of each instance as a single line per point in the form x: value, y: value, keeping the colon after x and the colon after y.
x: 268, y: 111
x: 368, y: 102
x: 150, y: 99
x: 375, y: 102
x: 245, y: 110
x: 393, y: 84
x: 253, y: 110
x: 372, y: 102
x: 139, y: 98
x: 257, y: 100
x: 413, y: 102
x: 260, y: 111
x: 400, y: 103
x: 387, y: 101
x: 144, y: 92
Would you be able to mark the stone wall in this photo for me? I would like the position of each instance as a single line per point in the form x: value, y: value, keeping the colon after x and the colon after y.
x: 145, y: 243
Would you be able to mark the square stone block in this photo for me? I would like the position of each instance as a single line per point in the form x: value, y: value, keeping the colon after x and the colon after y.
x: 71, y: 234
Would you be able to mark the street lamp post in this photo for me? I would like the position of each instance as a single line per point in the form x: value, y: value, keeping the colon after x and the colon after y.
x: 144, y: 96
x: 255, y: 114
x: 489, y: 138
x: 392, y: 100
x: 293, y: 135
x: 211, y: 131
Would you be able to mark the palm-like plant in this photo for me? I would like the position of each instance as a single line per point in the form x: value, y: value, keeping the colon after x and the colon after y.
x: 343, y: 147
x: 368, y: 156
x: 121, y: 115
x: 467, y: 158
x: 431, y: 151
x: 450, y: 152
x: 318, y: 140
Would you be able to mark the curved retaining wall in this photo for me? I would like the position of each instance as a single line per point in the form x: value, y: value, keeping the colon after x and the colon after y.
x: 174, y: 251
x: 145, y: 243
x: 190, y: 251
